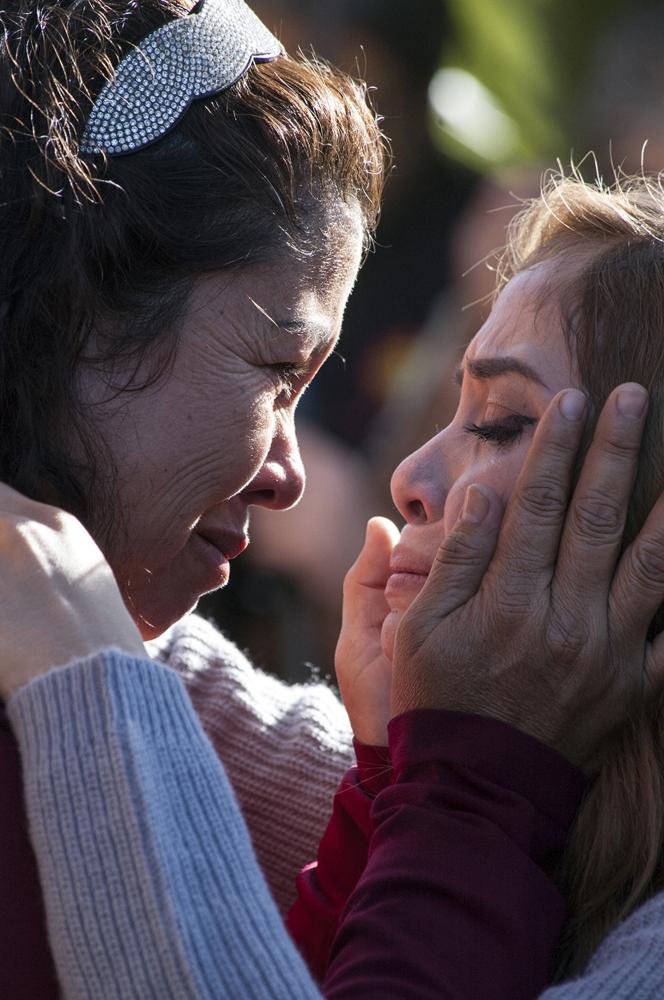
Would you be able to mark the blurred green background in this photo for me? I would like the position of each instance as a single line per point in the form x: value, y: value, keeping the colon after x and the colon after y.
x: 533, y: 57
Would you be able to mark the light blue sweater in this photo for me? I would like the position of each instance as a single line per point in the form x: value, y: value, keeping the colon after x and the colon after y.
x: 151, y: 886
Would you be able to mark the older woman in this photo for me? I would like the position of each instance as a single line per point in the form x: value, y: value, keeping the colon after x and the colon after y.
x: 177, y: 248
x: 176, y: 269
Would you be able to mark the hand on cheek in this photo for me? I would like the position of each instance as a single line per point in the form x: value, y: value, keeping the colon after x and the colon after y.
x: 541, y: 621
x: 363, y: 671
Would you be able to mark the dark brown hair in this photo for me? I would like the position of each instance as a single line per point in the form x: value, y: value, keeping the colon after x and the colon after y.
x: 115, y: 244
x: 608, y: 243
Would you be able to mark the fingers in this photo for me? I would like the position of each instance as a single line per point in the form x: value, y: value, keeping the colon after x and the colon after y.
x: 364, y: 599
x: 592, y: 536
x: 462, y: 558
x: 638, y: 583
x: 530, y: 536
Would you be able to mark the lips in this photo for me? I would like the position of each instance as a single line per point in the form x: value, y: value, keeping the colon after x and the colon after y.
x: 403, y: 561
x: 408, y: 574
x: 229, y: 544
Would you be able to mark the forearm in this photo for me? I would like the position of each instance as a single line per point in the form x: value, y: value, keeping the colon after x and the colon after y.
x: 455, y: 900
x: 447, y: 879
x: 150, y: 882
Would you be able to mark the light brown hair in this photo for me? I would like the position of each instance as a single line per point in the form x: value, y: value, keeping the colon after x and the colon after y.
x: 609, y: 242
x: 91, y: 244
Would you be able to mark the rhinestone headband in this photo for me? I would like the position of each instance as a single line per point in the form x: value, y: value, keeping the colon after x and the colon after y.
x: 194, y: 56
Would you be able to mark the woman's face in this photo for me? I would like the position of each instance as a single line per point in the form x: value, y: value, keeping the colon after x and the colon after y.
x: 215, y: 436
x: 511, y: 370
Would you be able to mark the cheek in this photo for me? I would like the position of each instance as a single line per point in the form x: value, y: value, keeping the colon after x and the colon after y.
x: 498, y: 469
x: 192, y: 453
x: 236, y: 439
x: 223, y: 426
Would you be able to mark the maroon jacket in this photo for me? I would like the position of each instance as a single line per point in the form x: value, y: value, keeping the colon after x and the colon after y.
x: 435, y: 875
x: 26, y: 965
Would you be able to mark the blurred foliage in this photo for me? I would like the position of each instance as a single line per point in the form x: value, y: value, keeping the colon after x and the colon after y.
x: 532, y: 56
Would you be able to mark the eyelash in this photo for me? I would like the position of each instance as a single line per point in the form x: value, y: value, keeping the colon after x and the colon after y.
x: 503, y: 432
x: 290, y: 374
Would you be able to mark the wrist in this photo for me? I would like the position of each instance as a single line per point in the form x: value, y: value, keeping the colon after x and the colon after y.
x: 428, y: 741
x: 62, y: 655
x: 374, y: 767
x: 370, y: 735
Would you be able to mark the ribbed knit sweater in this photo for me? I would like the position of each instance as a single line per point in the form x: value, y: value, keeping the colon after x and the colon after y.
x: 151, y: 885
x: 285, y: 747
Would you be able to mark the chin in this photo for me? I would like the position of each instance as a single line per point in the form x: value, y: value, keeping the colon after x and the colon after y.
x: 153, y: 618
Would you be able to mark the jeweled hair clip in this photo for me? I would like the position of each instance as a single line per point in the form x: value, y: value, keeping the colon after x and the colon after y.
x: 191, y: 57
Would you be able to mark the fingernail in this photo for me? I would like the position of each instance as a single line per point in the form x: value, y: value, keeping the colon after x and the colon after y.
x: 476, y: 505
x: 631, y: 401
x: 572, y: 404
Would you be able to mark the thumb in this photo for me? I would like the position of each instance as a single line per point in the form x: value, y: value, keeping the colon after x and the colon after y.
x: 364, y: 586
x: 372, y: 566
x: 462, y: 558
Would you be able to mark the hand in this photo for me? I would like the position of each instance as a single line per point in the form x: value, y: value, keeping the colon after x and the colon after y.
x: 363, y: 671
x: 58, y: 597
x: 538, y: 622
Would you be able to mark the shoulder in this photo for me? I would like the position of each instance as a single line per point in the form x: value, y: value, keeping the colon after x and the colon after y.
x: 639, y: 939
x: 218, y: 676
x: 628, y: 964
x: 194, y: 645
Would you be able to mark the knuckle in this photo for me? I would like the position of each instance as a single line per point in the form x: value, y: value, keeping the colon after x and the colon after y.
x: 457, y: 550
x: 352, y: 585
x: 513, y: 602
x: 566, y: 638
x: 58, y: 517
x: 648, y: 561
x: 543, y: 500
x: 557, y: 453
x: 597, y: 517
x: 622, y: 444
x: 349, y: 579
x: 60, y: 520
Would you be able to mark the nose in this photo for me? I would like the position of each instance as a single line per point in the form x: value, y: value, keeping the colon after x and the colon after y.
x: 418, y: 484
x: 279, y: 483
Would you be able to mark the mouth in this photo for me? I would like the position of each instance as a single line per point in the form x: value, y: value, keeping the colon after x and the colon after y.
x: 227, y: 544
x: 214, y: 549
x: 408, y: 574
x: 408, y: 564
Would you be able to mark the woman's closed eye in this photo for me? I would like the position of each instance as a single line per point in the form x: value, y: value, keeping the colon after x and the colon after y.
x: 291, y: 375
x: 503, y: 432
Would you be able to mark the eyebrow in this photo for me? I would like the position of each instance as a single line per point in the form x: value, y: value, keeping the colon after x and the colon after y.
x: 486, y: 368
